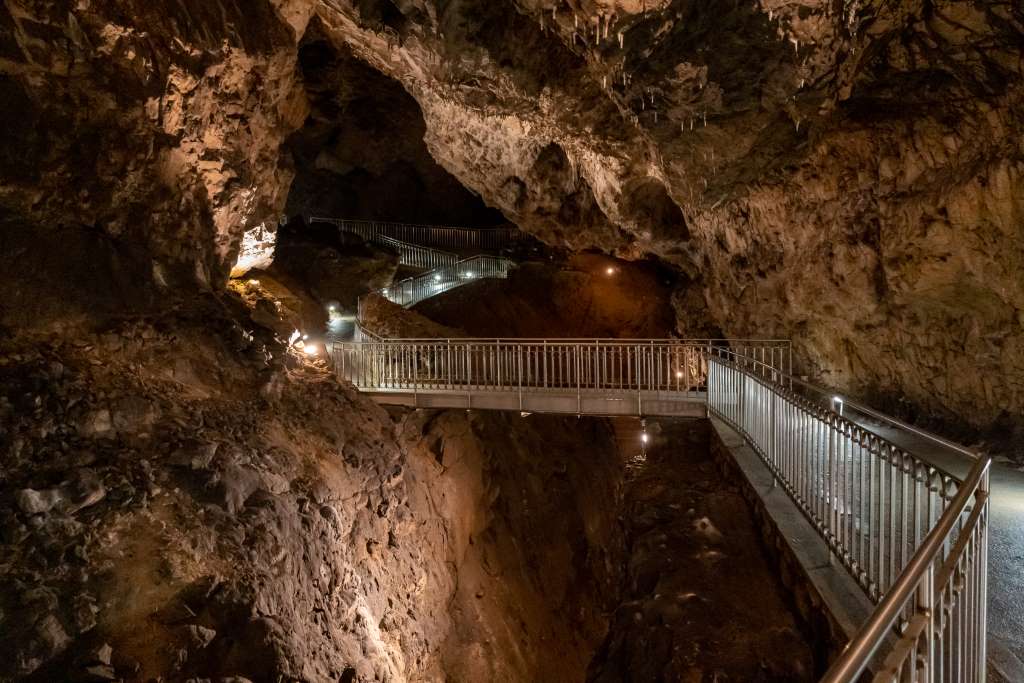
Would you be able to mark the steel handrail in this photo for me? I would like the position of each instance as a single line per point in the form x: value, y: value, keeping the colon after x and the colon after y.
x: 782, y: 343
x: 859, y: 407
x: 943, y: 635
x: 442, y: 279
x: 858, y: 653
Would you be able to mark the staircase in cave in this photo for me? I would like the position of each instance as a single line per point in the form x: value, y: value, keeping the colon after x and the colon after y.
x: 418, y: 247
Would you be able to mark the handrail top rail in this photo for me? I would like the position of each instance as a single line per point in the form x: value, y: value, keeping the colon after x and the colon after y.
x: 576, y: 341
x: 365, y: 221
x: 409, y: 245
x: 924, y: 433
x: 789, y: 393
x: 450, y: 265
x: 859, y: 651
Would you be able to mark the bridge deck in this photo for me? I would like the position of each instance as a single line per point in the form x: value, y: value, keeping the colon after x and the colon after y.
x: 654, y: 403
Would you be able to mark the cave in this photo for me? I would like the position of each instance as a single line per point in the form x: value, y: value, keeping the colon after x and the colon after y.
x: 601, y: 341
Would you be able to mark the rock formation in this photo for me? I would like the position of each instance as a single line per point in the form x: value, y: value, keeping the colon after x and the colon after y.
x: 846, y: 174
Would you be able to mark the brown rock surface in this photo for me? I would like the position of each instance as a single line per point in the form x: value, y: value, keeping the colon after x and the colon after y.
x: 845, y: 175
x: 189, y: 503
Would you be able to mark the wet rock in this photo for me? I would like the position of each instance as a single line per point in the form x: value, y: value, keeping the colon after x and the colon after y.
x: 97, y: 673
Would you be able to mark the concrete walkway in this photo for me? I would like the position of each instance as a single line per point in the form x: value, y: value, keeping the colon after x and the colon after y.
x: 1006, y: 547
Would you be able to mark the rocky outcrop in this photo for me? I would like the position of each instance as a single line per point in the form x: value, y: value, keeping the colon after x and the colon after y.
x: 183, y: 499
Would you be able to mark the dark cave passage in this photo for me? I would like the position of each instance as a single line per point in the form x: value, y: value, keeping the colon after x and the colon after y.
x: 361, y: 154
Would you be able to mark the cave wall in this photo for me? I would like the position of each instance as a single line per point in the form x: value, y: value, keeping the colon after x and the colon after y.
x: 846, y: 174
x: 154, y: 124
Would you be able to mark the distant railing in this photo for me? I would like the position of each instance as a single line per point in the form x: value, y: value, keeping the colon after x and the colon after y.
x: 411, y: 291
x: 911, y: 535
x: 415, y: 256
x: 446, y: 237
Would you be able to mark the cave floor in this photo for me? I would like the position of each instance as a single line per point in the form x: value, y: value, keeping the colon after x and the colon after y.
x: 700, y: 599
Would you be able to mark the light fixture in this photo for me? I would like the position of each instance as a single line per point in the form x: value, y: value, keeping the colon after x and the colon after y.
x: 437, y: 278
x: 644, y: 437
x: 310, y: 349
x: 469, y: 274
x: 609, y: 270
x: 679, y: 374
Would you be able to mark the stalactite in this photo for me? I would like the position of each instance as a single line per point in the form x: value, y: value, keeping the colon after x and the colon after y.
x: 622, y: 39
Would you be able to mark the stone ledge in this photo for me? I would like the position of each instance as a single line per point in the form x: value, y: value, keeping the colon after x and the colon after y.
x: 826, y: 596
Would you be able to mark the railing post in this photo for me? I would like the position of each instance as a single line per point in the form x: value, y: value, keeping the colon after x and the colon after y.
x: 469, y: 374
x: 925, y: 605
x: 415, y: 377
x: 519, y: 363
x: 579, y: 386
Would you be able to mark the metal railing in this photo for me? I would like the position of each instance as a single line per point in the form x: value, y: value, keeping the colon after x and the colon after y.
x: 592, y: 365
x: 911, y: 535
x: 415, y: 256
x: 412, y: 290
x: 447, y: 237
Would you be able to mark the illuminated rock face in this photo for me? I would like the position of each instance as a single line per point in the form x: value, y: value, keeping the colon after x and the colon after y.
x: 846, y: 175
x: 257, y: 249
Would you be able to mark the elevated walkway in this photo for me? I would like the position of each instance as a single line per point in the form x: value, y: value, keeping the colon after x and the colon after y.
x: 911, y: 536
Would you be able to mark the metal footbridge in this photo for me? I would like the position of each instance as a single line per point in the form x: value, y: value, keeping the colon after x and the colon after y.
x: 912, y: 536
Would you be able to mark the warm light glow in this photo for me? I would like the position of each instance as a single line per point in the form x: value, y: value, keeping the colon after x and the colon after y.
x: 310, y: 349
x: 643, y: 437
x: 294, y: 338
x: 679, y: 374
x: 609, y: 270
